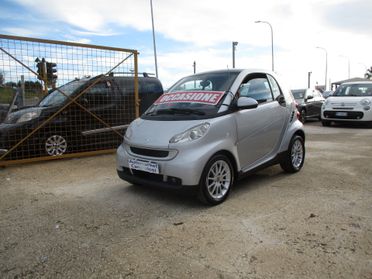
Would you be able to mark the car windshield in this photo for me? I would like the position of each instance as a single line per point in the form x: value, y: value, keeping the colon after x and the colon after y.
x: 193, y: 97
x: 298, y: 93
x: 55, y: 97
x: 361, y: 90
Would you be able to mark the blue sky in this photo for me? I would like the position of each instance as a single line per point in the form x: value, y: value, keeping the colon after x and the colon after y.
x: 203, y: 31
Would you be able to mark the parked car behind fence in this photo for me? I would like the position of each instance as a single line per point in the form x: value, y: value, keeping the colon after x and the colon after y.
x: 103, y: 106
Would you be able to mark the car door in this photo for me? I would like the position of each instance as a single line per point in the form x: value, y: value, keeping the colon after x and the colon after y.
x: 318, y: 102
x: 259, y: 130
x: 310, y: 103
x: 100, y: 100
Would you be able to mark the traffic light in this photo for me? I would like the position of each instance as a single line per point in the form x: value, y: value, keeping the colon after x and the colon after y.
x: 51, y: 72
x: 40, y: 68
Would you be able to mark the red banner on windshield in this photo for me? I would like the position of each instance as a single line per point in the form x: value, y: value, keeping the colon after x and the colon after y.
x: 201, y: 97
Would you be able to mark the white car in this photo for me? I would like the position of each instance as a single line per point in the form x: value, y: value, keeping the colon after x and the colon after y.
x: 351, y: 102
x: 211, y: 128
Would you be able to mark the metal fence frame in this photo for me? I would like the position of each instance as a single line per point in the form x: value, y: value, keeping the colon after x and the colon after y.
x: 131, y: 52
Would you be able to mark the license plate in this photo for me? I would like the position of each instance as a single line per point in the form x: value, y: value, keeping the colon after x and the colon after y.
x: 142, y: 165
x: 341, y: 113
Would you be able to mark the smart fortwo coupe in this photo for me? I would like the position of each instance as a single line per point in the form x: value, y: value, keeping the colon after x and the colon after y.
x: 210, y: 129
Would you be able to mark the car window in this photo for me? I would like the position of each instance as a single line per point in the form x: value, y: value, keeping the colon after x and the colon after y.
x: 99, y: 93
x: 149, y: 86
x: 58, y: 96
x: 298, y: 93
x: 354, y: 90
x: 196, y: 85
x: 274, y: 87
x: 219, y: 81
x: 258, y: 89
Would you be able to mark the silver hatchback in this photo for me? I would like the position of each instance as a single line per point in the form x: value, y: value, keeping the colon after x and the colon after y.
x: 211, y: 128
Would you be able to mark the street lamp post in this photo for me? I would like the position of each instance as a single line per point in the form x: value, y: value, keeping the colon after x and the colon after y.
x: 326, y: 66
x: 234, y: 44
x: 348, y: 65
x: 153, y: 39
x: 272, y: 42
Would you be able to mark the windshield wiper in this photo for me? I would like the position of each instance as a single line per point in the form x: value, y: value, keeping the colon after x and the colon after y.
x: 177, y: 111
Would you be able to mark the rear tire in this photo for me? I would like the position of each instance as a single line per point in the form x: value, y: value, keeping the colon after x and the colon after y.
x: 216, y: 181
x: 294, y: 157
x: 326, y: 123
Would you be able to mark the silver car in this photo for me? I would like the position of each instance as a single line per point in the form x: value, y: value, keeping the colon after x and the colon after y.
x: 211, y: 128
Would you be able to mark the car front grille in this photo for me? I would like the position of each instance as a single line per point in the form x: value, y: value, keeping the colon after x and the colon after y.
x: 153, y: 177
x: 348, y: 114
x: 149, y: 152
x: 344, y: 104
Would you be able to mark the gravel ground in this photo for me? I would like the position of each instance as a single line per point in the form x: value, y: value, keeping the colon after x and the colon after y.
x: 77, y: 219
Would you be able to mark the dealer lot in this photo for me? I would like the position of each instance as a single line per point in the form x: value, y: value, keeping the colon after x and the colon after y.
x: 77, y: 219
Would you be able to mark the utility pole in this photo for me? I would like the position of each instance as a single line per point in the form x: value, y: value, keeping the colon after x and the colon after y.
x: 234, y: 44
x: 194, y: 66
x: 308, y: 79
x: 153, y: 39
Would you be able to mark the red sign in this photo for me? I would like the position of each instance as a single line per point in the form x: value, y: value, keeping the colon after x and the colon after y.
x: 201, y: 97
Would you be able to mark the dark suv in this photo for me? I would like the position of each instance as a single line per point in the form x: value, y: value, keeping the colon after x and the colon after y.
x: 103, y: 107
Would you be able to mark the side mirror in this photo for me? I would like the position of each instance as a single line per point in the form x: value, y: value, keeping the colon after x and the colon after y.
x: 84, y: 101
x: 281, y: 100
x: 246, y: 103
x: 309, y: 97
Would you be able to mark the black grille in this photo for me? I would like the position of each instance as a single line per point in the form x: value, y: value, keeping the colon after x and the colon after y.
x: 349, y: 114
x: 153, y: 177
x: 150, y: 152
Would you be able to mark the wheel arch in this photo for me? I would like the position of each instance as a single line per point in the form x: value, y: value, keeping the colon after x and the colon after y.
x: 300, y: 133
x: 232, y: 159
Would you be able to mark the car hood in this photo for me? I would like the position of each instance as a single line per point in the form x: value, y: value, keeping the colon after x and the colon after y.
x: 351, y: 100
x: 15, y: 115
x: 157, y: 133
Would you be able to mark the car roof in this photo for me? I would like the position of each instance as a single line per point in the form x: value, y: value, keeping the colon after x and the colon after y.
x: 245, y: 71
x: 357, y: 82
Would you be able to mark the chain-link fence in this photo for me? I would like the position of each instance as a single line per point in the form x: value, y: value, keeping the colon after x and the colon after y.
x: 63, y: 99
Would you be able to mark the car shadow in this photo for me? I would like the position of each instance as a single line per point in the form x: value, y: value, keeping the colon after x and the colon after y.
x: 184, y: 197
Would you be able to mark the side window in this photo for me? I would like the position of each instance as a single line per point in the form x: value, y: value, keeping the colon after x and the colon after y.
x: 99, y: 94
x: 274, y: 87
x: 258, y: 89
x: 148, y: 86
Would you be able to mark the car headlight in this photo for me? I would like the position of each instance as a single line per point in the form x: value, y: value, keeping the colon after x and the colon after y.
x: 128, y: 133
x: 29, y: 116
x: 365, y: 102
x: 191, y: 134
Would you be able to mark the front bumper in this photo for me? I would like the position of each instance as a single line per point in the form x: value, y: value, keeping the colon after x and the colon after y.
x: 182, y: 170
x: 347, y: 115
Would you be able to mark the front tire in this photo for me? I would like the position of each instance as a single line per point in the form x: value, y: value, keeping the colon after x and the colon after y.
x: 55, y: 145
x: 216, y: 181
x: 294, y: 157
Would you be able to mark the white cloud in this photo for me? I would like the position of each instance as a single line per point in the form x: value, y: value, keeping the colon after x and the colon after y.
x: 25, y: 32
x: 208, y: 27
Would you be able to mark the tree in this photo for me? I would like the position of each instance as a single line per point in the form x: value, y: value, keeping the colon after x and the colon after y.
x: 368, y: 74
x: 2, y: 78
